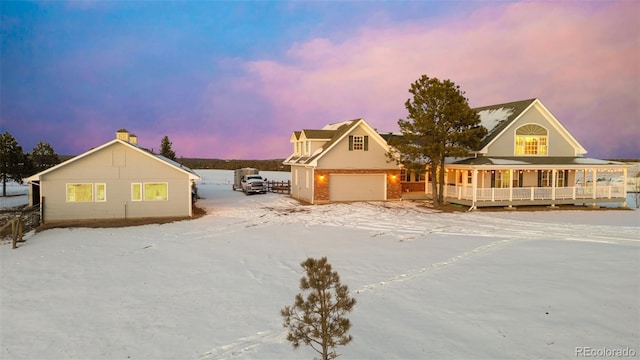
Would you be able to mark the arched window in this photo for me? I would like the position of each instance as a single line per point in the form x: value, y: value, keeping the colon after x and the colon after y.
x: 531, y: 140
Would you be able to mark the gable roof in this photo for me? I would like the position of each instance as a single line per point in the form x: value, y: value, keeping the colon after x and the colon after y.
x: 498, y: 118
x: 318, y: 134
x: 334, y: 133
x: 192, y: 175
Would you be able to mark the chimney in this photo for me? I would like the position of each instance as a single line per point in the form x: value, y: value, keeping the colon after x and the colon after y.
x: 133, y: 139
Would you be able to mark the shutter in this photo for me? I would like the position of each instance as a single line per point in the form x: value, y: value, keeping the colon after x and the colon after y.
x: 539, y: 178
x: 566, y: 178
x: 520, y: 178
x: 366, y: 143
x: 493, y: 179
x: 350, y: 142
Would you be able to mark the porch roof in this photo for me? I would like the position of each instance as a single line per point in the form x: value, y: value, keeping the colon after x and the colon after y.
x: 533, y: 161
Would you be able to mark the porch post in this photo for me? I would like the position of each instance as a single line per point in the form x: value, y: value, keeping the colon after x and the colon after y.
x: 553, y: 184
x: 474, y: 187
x: 624, y: 186
x: 510, y: 186
x: 594, y: 180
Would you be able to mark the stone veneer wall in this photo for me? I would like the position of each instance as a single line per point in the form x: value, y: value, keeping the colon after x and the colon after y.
x: 321, y: 184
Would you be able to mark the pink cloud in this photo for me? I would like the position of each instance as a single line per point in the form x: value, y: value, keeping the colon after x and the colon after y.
x: 580, y: 59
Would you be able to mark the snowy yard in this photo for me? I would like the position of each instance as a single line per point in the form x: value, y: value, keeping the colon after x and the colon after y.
x: 474, y: 285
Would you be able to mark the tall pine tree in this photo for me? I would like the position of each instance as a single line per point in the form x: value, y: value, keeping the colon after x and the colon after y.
x: 319, y: 319
x: 440, y: 124
x: 43, y: 156
x: 12, y: 161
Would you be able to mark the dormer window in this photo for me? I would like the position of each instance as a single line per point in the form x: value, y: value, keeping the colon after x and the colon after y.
x: 531, y: 140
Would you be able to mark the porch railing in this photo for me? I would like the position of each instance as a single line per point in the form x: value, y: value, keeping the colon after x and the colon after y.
x: 532, y: 193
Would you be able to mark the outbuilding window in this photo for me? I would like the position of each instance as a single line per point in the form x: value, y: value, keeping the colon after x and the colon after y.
x: 82, y: 192
x: 156, y: 191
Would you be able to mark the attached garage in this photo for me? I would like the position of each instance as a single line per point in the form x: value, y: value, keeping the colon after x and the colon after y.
x: 357, y: 187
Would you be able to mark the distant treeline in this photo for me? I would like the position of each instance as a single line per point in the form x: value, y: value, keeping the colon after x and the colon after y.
x: 263, y: 165
x: 194, y: 163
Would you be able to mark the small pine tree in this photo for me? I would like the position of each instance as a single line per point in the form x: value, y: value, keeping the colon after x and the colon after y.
x: 319, y: 320
x: 165, y: 148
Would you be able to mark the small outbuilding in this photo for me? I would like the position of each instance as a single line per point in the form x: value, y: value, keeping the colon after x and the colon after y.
x: 117, y: 180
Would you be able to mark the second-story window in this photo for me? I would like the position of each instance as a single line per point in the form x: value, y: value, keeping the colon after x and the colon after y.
x: 531, y: 139
x: 358, y: 142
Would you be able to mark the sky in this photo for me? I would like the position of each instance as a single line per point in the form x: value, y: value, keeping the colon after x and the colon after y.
x: 233, y: 80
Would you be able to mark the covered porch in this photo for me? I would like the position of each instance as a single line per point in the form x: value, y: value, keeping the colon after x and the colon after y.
x: 495, y: 183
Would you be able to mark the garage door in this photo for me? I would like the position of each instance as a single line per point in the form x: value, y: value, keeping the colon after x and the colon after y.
x: 357, y: 187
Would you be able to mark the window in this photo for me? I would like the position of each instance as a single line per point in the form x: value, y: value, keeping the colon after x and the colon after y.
x: 409, y: 176
x: 79, y: 192
x: 502, y: 178
x: 155, y: 192
x: 358, y: 142
x: 544, y: 178
x: 136, y: 192
x: 405, y: 175
x: 101, y: 192
x: 531, y: 140
x: 560, y: 179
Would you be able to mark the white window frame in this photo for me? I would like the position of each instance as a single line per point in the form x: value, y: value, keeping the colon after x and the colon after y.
x: 502, y: 179
x: 139, y: 192
x: 546, y: 178
x: 560, y: 180
x: 95, y: 192
x: 358, y: 142
x: 144, y: 190
x: 74, y: 201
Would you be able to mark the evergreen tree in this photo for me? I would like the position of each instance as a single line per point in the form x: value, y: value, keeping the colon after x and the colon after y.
x: 12, y: 161
x: 43, y: 156
x: 440, y: 124
x: 319, y: 319
x: 165, y: 148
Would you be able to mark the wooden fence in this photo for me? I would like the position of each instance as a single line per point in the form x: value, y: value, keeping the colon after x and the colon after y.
x: 281, y: 187
x: 16, y: 225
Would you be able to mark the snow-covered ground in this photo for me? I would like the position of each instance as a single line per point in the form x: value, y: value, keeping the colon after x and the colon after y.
x: 474, y: 285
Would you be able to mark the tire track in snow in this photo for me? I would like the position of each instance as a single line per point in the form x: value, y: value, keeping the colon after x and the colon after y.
x: 244, y: 345
x: 412, y: 274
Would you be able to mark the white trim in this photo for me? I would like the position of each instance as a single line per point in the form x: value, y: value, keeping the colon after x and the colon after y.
x: 192, y: 176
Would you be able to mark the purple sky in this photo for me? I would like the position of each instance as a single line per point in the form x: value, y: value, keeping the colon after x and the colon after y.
x: 232, y: 80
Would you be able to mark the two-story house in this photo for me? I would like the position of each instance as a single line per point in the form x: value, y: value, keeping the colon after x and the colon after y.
x: 529, y: 158
x: 342, y: 162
